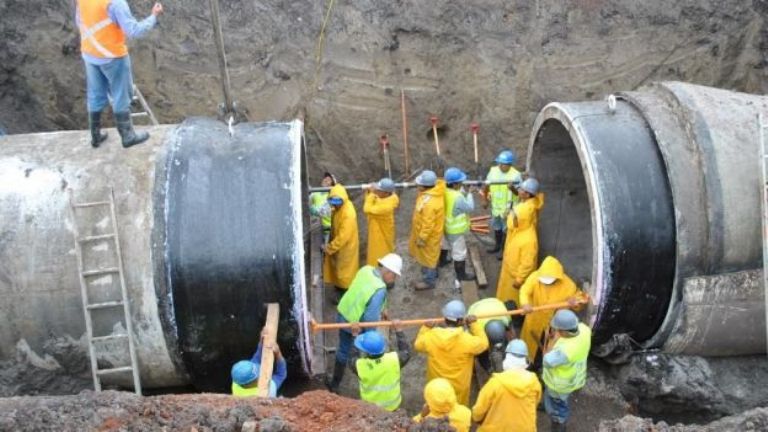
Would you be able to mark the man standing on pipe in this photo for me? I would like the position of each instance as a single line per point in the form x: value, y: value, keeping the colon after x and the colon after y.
x: 319, y: 207
x: 104, y: 26
x: 565, y: 365
x: 379, y: 207
x: 364, y: 301
x: 500, y: 196
x: 427, y: 227
x: 341, y: 260
x: 458, y: 205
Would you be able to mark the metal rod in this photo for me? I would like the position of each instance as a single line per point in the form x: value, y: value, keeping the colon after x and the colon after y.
x: 218, y: 38
x: 406, y: 185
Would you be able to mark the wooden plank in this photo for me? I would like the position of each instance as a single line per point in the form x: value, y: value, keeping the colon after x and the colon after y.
x: 477, y: 263
x: 469, y: 292
x: 317, y: 302
x: 267, y: 355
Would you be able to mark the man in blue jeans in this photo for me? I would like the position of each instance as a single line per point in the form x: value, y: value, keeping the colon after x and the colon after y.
x: 104, y: 26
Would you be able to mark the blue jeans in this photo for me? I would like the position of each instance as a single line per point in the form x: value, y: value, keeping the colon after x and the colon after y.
x: 556, y: 405
x: 498, y: 223
x: 345, y: 344
x: 429, y: 276
x: 112, y: 80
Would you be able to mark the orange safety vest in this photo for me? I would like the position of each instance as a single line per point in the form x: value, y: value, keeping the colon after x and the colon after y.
x: 99, y: 35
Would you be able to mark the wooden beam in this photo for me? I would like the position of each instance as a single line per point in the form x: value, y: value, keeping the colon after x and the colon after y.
x: 474, y: 254
x: 317, y: 302
x: 267, y: 355
x: 469, y: 292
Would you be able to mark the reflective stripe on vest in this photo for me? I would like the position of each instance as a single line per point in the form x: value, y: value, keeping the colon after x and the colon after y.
x: 99, y: 35
x: 380, y: 380
x: 363, y: 287
x: 454, y: 224
x: 501, y: 196
x: 320, y: 199
x: 568, y: 378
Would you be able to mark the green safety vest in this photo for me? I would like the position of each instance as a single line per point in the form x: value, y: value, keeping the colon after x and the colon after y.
x: 454, y: 224
x: 317, y: 200
x: 501, y: 196
x: 380, y: 380
x: 362, y: 288
x: 568, y: 378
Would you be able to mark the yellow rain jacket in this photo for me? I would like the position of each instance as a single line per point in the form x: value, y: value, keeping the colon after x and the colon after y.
x: 427, y: 224
x: 521, y: 248
x: 441, y: 399
x: 451, y: 355
x: 341, y: 260
x: 508, y: 402
x: 381, y: 225
x: 535, y: 293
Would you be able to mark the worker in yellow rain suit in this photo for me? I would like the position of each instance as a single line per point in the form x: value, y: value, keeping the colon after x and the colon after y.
x: 522, y: 245
x: 340, y: 263
x: 379, y: 207
x: 451, y: 350
x: 549, y: 284
x: 507, y: 402
x: 427, y: 227
x: 441, y: 402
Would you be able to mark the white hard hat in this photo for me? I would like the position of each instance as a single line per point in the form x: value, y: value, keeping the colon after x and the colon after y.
x: 392, y: 262
x: 547, y: 280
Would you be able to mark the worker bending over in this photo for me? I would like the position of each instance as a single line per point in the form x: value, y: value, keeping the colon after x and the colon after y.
x: 441, y: 402
x: 459, y: 203
x: 450, y: 349
x: 501, y: 198
x: 522, y: 244
x: 564, y: 365
x: 497, y: 330
x: 427, y: 227
x: 365, y: 301
x: 245, y: 373
x: 104, y: 27
x: 319, y: 207
x: 379, y: 207
x: 377, y: 370
x: 340, y: 262
x: 507, y: 402
x: 547, y: 285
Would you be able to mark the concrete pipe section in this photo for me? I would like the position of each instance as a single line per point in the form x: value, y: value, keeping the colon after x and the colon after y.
x: 653, y: 201
x: 211, y: 228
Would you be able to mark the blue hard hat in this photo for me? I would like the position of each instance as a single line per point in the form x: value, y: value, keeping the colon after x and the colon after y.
x: 426, y: 178
x: 565, y: 320
x: 334, y: 200
x: 530, y: 185
x: 454, y: 175
x: 385, y: 185
x: 506, y: 157
x: 496, y: 331
x: 245, y: 372
x: 517, y: 347
x: 454, y: 310
x: 371, y: 343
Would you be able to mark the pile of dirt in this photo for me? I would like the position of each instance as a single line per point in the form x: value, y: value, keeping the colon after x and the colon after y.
x: 113, y: 411
x: 748, y: 421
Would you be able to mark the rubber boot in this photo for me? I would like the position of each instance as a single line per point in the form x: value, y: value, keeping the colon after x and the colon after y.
x: 497, y: 246
x: 125, y: 127
x: 502, y: 240
x: 460, y: 267
x: 557, y: 426
x: 338, y: 373
x: 94, y: 122
x: 445, y: 258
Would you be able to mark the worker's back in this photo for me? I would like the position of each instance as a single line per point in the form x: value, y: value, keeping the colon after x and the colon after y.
x: 508, y: 402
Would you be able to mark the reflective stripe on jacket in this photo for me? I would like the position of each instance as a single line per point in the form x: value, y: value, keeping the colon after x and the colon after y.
x: 380, y: 380
x: 568, y: 378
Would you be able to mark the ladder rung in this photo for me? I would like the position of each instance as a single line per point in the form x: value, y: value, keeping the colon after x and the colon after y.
x: 140, y: 114
x: 96, y: 237
x: 91, y: 204
x: 101, y: 271
x: 105, y: 305
x: 109, y: 337
x: 114, y: 370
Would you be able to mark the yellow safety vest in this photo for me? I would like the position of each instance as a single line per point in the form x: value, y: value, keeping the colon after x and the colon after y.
x: 501, y: 196
x: 454, y: 224
x: 239, y: 391
x: 486, y: 306
x: 363, y: 287
x: 568, y: 378
x: 380, y: 380
x: 317, y: 201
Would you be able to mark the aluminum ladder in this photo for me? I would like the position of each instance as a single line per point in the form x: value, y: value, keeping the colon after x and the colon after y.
x: 761, y: 127
x: 138, y: 97
x: 88, y: 307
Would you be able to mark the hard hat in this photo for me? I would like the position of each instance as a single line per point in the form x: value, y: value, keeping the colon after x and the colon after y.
x: 371, y: 343
x: 566, y: 320
x: 426, y: 178
x: 496, y: 331
x: 530, y: 185
x: 245, y: 372
x: 506, y: 157
x: 454, y: 175
x: 385, y: 185
x: 454, y: 310
x: 547, y: 280
x: 517, y: 348
x: 334, y: 200
x: 393, y: 263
